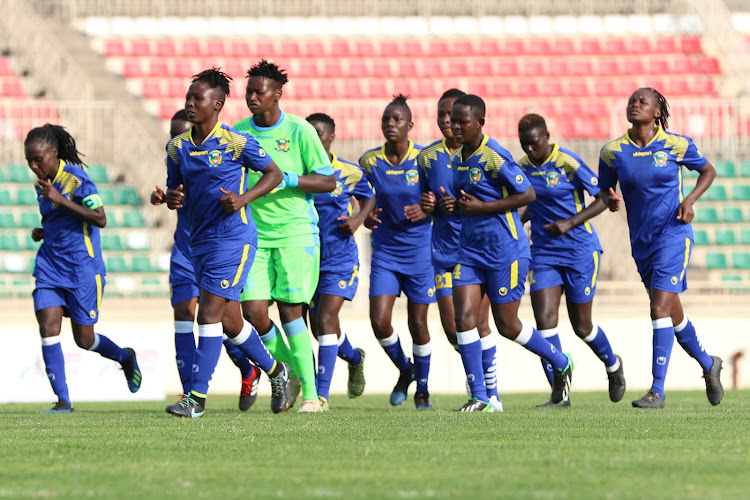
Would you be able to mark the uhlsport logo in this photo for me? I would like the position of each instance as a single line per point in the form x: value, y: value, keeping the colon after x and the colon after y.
x: 214, y: 157
x: 661, y: 360
x: 595, y: 181
x: 587, y: 291
x: 282, y: 145
x: 519, y: 179
x: 339, y: 189
x: 92, y: 314
x: 674, y: 280
x: 660, y: 159
x: 342, y: 284
x: 224, y: 283
x: 412, y: 177
x: 475, y: 175
x: 552, y: 178
x: 503, y: 292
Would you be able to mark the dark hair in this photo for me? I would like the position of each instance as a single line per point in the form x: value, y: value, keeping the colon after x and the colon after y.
x: 181, y: 115
x: 400, y: 100
x: 530, y: 122
x: 474, y: 102
x: 58, y: 138
x: 268, y: 70
x: 663, y: 106
x: 323, y: 118
x: 451, y: 93
x: 215, y: 78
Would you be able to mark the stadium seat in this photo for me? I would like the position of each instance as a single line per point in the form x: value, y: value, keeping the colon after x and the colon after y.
x: 26, y: 197
x: 657, y: 66
x: 709, y: 66
x: 110, y: 241
x: 436, y: 48
x: 191, y: 47
x: 489, y: 47
x: 364, y: 49
x: 633, y: 66
x: 107, y: 195
x: 557, y: 66
x: 716, y: 193
x: 577, y: 88
x: 703, y: 85
x: 745, y: 236
x: 97, y: 173
x: 340, y: 48
x: 590, y: 46
x: 127, y: 195
x: 741, y: 260
x: 314, y: 48
x: 133, y: 218
x: 5, y: 197
x: 407, y: 69
x: 514, y: 47
x: 140, y: 48
x: 531, y: 67
x: 700, y: 237
x: 463, y: 48
x: 691, y: 45
x: 716, y: 261
x: 30, y: 219
x: 433, y: 68
x: 215, y: 48
x: 640, y: 45
x: 724, y: 168
x: 10, y: 242
x: 615, y: 46
x: 151, y: 89
x: 745, y: 168
x: 741, y: 192
x: 301, y: 89
x: 552, y: 88
x: 290, y: 48
x: 725, y: 237
x: 706, y: 215
x: 239, y: 49
x: 581, y: 67
x: 116, y: 264
x: 332, y: 69
x: 132, y: 68
x: 352, y: 89
x: 382, y: 68
x: 112, y: 48
x: 539, y: 47
x: 166, y: 48
x: 507, y: 67
x: 7, y: 220
x: 142, y: 264
x: 389, y: 48
x: 666, y: 45
x: 732, y: 214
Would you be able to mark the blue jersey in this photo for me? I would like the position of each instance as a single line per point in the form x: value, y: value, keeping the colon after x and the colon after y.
x: 219, y: 162
x: 559, y: 184
x: 71, y: 251
x: 496, y: 239
x: 336, y: 249
x: 651, y: 184
x: 436, y: 171
x: 397, y: 186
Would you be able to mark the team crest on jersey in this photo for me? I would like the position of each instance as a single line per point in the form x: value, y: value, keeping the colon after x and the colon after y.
x: 412, y: 177
x: 475, y: 175
x: 660, y: 159
x: 282, y: 145
x: 339, y: 189
x: 552, y: 178
x: 214, y: 157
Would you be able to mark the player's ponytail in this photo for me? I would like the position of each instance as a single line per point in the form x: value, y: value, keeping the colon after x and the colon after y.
x: 59, y: 138
x: 663, y: 107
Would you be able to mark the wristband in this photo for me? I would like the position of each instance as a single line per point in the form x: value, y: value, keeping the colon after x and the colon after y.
x: 291, y: 179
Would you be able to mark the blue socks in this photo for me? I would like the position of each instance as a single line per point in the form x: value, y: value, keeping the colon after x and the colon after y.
x: 237, y: 357
x: 392, y: 347
x: 489, y: 364
x: 54, y: 365
x: 470, y: 348
x: 554, y: 339
x: 533, y: 341
x: 108, y: 349
x: 599, y: 343
x: 422, y: 354
x: 207, y: 354
x: 689, y: 341
x: 328, y: 348
x: 249, y: 343
x: 184, y: 346
x: 347, y: 352
x: 663, y: 342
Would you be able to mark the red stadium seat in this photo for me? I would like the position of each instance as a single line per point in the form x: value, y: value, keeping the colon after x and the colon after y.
x: 571, y: 108
x: 426, y: 88
x: 191, y: 48
x: 666, y: 45
x: 215, y: 48
x: 578, y: 87
x: 352, y: 89
x: 357, y: 68
x: 239, y: 48
x: 464, y: 48
x: 539, y: 47
x: 140, y: 48
x: 557, y: 66
x: 438, y: 48
x: 489, y: 47
x: 507, y: 67
x: 501, y: 88
x: 633, y: 66
x: 166, y: 48
x: 709, y: 65
x: 12, y: 88
x: 132, y: 68
x: 152, y: 89
x: 657, y: 66
x: 477, y: 87
x: 433, y: 67
x: 328, y: 89
x: 640, y: 45
x: 381, y: 68
x: 332, y: 68
x: 513, y: 47
x: 265, y: 49
x: 552, y: 87
x: 590, y: 46
x: 458, y: 68
x: 595, y: 107
x: 614, y: 46
x: 158, y: 68
x: 112, y: 48
x: 563, y: 47
x: 340, y: 48
x: 691, y: 45
x: 678, y: 87
x: 606, y: 66
x: 684, y: 63
x: 314, y: 48
x: 528, y: 88
x: 183, y: 68
x: 413, y: 48
x: 481, y: 67
x: 389, y: 48
x: 235, y: 69
x: 290, y: 48
x: 547, y: 107
x: 704, y: 85
x: 364, y: 48
x: 407, y: 68
x: 308, y: 68
x: 582, y: 67
x: 376, y: 88
x: 177, y: 88
x: 168, y: 108
x: 302, y: 89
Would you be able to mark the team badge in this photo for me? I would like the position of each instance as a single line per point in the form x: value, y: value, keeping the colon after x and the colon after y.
x: 660, y: 159
x: 475, y: 175
x: 412, y: 177
x: 552, y: 178
x: 503, y: 292
x: 214, y: 157
x: 339, y: 189
x: 224, y: 284
x: 282, y: 145
x: 342, y: 284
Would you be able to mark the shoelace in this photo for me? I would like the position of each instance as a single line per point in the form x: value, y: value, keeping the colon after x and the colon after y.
x: 276, y: 383
x: 188, y: 402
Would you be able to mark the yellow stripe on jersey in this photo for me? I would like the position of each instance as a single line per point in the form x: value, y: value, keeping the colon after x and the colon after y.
x: 87, y: 240
x: 98, y: 292
x: 243, y: 213
x: 237, y: 276
x: 355, y: 272
x: 596, y: 269
x: 687, y: 258
x: 679, y: 184
x: 579, y: 207
x: 509, y: 216
x: 514, y: 275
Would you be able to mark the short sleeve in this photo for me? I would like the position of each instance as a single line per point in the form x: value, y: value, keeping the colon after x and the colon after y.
x: 313, y: 153
x: 174, y: 176
x: 87, y: 194
x: 586, y: 179
x: 363, y: 189
x: 693, y: 158
x: 512, y: 176
x: 254, y: 156
x: 607, y: 174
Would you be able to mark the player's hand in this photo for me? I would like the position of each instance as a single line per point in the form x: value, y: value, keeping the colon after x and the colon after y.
x: 231, y: 201
x: 469, y: 204
x: 157, y: 196
x: 413, y: 213
x: 427, y: 202
x: 372, y: 220
x: 685, y: 211
x: 50, y: 192
x: 175, y: 197
x: 447, y: 202
x: 37, y: 234
x: 559, y: 227
x: 347, y: 225
x: 613, y: 201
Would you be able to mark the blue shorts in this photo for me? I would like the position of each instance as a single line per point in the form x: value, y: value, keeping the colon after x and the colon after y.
x: 417, y: 281
x: 342, y: 283
x: 502, y: 285
x: 182, y: 282
x: 221, y: 267
x: 443, y: 282
x: 578, y: 279
x: 666, y: 268
x: 80, y: 304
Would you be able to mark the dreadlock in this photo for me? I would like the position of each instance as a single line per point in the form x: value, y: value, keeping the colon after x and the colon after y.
x: 530, y: 122
x: 215, y: 78
x: 59, y: 138
x: 268, y: 70
x: 323, y: 118
x: 663, y: 107
x: 451, y: 93
x: 400, y: 100
x: 474, y: 102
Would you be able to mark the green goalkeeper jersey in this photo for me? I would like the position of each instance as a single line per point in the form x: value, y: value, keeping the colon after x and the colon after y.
x: 286, y: 217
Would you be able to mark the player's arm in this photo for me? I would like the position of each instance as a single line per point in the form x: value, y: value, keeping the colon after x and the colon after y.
x: 706, y: 176
x: 348, y: 224
x: 562, y: 226
x: 471, y: 205
x: 271, y: 177
x: 91, y: 211
x: 313, y: 183
x: 175, y: 193
x: 608, y: 182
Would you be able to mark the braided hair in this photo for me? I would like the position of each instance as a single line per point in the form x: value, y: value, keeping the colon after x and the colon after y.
x: 268, y: 70
x: 323, y: 118
x: 663, y: 107
x: 59, y: 138
x: 215, y: 78
x: 400, y: 100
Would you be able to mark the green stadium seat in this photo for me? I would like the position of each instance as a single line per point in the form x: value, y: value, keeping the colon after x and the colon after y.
x: 724, y: 168
x: 7, y: 220
x: 745, y: 237
x: 26, y: 197
x: 22, y: 287
x: 127, y: 196
x: 716, y: 261
x: 97, y: 173
x: 725, y: 237
x: 112, y: 221
x: 716, y: 193
x: 107, y: 195
x: 20, y: 173
x: 3, y: 174
x: 731, y: 277
x: 142, y: 264
x: 741, y: 192
x: 5, y: 289
x: 732, y: 214
x: 5, y: 197
x: 700, y: 237
x: 117, y: 264
x: 741, y: 260
x: 31, y: 219
x: 111, y: 242
x: 133, y: 218
x: 707, y: 214
x: 745, y: 168
x: 9, y: 242
x: 686, y: 190
x: 31, y: 244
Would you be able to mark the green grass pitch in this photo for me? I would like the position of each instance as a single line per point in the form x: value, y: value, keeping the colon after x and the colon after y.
x: 365, y: 448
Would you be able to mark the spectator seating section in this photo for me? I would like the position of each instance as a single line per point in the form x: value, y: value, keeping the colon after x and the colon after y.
x: 17, y: 117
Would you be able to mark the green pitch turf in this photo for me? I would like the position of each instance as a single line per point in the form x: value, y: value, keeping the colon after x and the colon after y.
x: 365, y: 448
